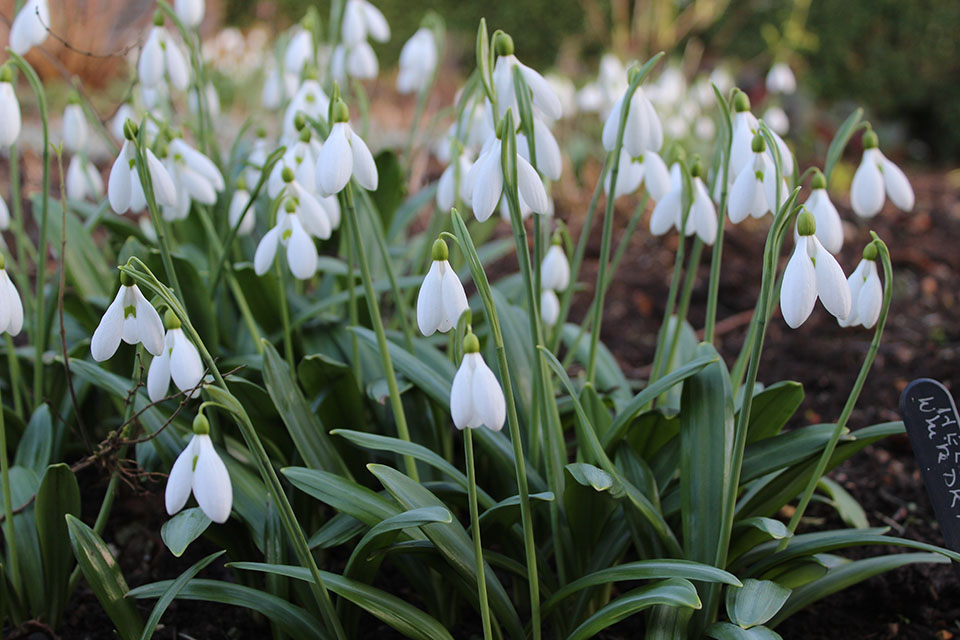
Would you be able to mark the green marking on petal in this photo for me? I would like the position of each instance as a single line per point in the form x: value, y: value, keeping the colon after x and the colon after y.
x: 130, y: 310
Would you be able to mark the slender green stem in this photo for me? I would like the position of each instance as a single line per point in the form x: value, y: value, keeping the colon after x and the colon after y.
x: 475, y: 527
x: 686, y: 293
x: 15, y: 379
x: 396, y: 402
x: 526, y: 516
x: 821, y: 467
x: 352, y: 307
x: 422, y: 96
x: 285, y: 317
x: 142, y: 275
x: 156, y: 217
x: 713, y: 291
x: 25, y: 249
x: 39, y: 335
x: 9, y: 538
x: 668, y: 309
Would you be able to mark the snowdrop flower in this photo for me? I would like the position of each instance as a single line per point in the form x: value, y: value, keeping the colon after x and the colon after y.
x: 360, y: 20
x: 9, y: 109
x: 876, y: 175
x: 119, y: 120
x: 83, y: 179
x: 812, y: 272
x: 441, y: 300
x: 549, y: 307
x: 301, y: 158
x: 289, y: 232
x: 485, y: 182
x: 866, y: 292
x: 754, y: 190
x: 299, y: 50
x: 257, y: 157
x: 190, y: 12
x: 543, y: 96
x: 178, y: 359
x: 75, y: 130
x: 162, y: 59
x: 278, y: 84
x: 354, y: 61
x: 129, y: 317
x: 29, y: 28
x: 310, y: 100
x: 195, y: 176
x: 702, y: 217
x: 476, y: 397
x: 211, y: 101
x: 549, y: 159
x: 648, y: 169
x: 643, y: 131
x: 199, y: 469
x: 455, y: 173
x: 11, y: 309
x: 418, y: 61
x: 829, y: 226
x: 555, y: 269
x: 745, y: 127
x: 239, y: 202
x: 666, y: 214
x: 601, y: 95
x: 123, y: 187
x: 344, y: 154
x: 780, y: 79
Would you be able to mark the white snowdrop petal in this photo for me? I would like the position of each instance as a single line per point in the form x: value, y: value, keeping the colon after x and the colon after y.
x: 429, y: 303
x: 666, y: 213
x: 655, y: 175
x: 149, y: 323
x: 106, y: 337
x: 832, y: 285
x: 335, y: 161
x: 867, y: 188
x: 829, y: 225
x: 703, y: 213
x: 555, y: 270
x: 446, y: 194
x: 549, y: 158
x: 376, y: 24
x: 487, y: 184
x: 74, y: 128
x: 452, y: 296
x: 186, y: 368
x: 180, y: 480
x: 742, y: 195
x: 198, y: 188
x: 549, y: 307
x: 362, y: 62
x: 869, y: 301
x: 163, y: 188
x: 488, y: 400
x: 897, y: 186
x: 238, y: 202
x: 14, y: 307
x: 9, y: 115
x: 118, y: 184
x: 158, y: 376
x: 266, y: 251
x: 798, y: 293
x: 461, y: 392
x: 544, y: 96
x: 151, y: 63
x: 611, y: 126
x: 301, y: 252
x: 177, y: 68
x: 4, y: 215
x: 364, y: 167
x: 211, y: 482
x: 531, y: 186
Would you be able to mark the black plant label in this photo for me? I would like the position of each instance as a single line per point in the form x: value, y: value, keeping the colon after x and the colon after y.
x: 930, y: 414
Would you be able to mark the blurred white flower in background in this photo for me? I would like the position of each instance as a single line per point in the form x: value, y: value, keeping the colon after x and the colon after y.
x: 29, y: 28
x: 418, y: 61
x: 780, y: 79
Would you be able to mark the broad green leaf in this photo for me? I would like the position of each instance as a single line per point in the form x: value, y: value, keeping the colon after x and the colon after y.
x: 609, y: 374
x: 172, y: 591
x: 798, y: 573
x: 23, y: 485
x: 643, y: 570
x: 591, y: 476
x: 684, y: 351
x: 501, y: 511
x: 400, y: 615
x: 87, y: 268
x: 292, y: 619
x: 675, y: 592
x: 407, y: 212
x: 755, y: 603
x: 59, y: 495
x: 182, y: 529
x: 846, y: 505
x: 772, y: 408
x: 33, y: 451
x: 105, y: 579
x: 343, y: 495
x: 336, y: 531
x: 452, y: 542
x: 727, y: 631
x: 750, y: 532
x: 640, y: 400
x: 308, y: 435
x: 847, y: 575
x: 784, y: 450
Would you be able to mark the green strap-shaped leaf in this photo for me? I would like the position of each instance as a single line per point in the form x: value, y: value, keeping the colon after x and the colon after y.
x: 343, y: 495
x: 772, y: 408
x: 847, y: 575
x: 105, y: 579
x: 675, y: 592
x: 400, y: 615
x: 182, y: 529
x: 172, y: 591
x: 756, y: 602
x: 292, y: 619
x: 727, y: 631
x: 643, y: 570
x: 308, y: 435
x: 59, y: 495
x: 33, y: 452
x: 846, y: 505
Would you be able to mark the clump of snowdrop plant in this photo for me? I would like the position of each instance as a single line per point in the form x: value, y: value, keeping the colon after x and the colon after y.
x: 328, y: 397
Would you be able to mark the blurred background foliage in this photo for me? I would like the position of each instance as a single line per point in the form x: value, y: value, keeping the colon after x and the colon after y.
x: 901, y: 57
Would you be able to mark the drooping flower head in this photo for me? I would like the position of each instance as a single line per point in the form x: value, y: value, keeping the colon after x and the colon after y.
x: 162, y: 60
x: 9, y: 108
x: 441, y: 300
x: 555, y: 268
x: 75, y: 129
x: 190, y: 12
x: 240, y: 202
x: 343, y: 155
x: 476, y: 397
x: 642, y: 131
x: 866, y: 292
x: 199, y: 469
x: 780, y: 79
x: 124, y: 190
x: 418, y: 61
x: 542, y: 94
x: 829, y: 226
x: 29, y: 28
x: 812, y: 272
x: 129, y: 317
x: 11, y: 308
x: 754, y: 190
x: 179, y: 360
x: 875, y: 176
